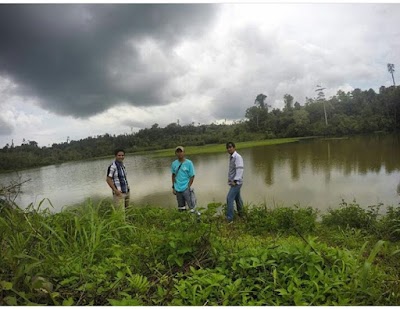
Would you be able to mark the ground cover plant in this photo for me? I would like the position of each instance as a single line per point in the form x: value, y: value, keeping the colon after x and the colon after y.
x: 95, y: 255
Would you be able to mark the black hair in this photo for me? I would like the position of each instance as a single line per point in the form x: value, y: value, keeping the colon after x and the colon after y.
x: 228, y: 144
x: 118, y: 150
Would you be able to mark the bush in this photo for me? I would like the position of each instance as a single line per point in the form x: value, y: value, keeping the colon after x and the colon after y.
x: 292, y: 273
x: 353, y: 216
x: 286, y: 220
x: 389, y: 226
x: 94, y: 255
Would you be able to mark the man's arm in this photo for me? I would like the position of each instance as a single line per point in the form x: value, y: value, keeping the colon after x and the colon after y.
x: 173, y: 180
x: 192, y: 173
x: 110, y: 183
x: 191, y: 181
x: 239, y: 169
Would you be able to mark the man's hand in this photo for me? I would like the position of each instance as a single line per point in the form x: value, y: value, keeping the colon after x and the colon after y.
x: 173, y: 191
x: 118, y: 193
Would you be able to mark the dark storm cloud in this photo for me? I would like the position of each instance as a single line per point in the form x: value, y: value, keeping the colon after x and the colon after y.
x: 80, y: 59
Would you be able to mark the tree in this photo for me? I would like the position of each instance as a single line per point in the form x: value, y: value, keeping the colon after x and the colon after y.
x: 390, y: 67
x: 260, y: 100
x: 288, y: 99
x: 321, y: 98
x: 256, y: 116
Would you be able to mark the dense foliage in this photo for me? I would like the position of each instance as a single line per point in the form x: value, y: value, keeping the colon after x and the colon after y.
x: 94, y: 255
x: 346, y: 113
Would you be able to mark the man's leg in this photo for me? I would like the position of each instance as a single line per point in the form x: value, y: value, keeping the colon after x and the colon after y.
x: 239, y: 201
x: 229, y: 203
x: 118, y: 201
x: 127, y: 198
x: 181, y: 201
x: 187, y: 198
x: 191, y: 200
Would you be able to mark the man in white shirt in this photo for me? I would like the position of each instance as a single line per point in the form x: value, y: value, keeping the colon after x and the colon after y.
x: 235, y: 181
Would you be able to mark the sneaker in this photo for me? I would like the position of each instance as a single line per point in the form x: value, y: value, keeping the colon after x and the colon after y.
x: 194, y: 211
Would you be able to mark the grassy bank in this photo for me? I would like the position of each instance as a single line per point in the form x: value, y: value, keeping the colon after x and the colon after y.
x: 212, y: 148
x: 219, y: 148
x: 94, y: 255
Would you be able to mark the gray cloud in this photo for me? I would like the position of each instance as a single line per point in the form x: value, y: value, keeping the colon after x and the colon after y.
x: 298, y: 53
x: 5, y: 128
x: 81, y: 59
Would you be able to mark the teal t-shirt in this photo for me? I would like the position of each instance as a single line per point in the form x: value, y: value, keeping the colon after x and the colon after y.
x: 184, y: 174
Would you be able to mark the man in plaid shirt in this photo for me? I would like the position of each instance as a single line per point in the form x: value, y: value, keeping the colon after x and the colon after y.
x: 117, y: 180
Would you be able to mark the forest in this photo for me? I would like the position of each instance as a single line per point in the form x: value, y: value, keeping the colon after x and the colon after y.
x: 346, y: 113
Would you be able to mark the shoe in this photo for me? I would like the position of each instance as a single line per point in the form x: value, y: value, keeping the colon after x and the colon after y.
x: 194, y: 211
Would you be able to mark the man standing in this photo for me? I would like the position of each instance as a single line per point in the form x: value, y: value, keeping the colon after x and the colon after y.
x: 117, y: 180
x: 182, y: 179
x: 235, y: 181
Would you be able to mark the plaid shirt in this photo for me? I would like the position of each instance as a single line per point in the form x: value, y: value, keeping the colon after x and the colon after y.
x: 117, y: 172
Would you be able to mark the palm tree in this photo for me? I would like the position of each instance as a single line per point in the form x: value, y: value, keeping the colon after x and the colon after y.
x: 390, y: 67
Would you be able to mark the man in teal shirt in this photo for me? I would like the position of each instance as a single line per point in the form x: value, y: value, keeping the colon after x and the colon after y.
x: 182, y: 179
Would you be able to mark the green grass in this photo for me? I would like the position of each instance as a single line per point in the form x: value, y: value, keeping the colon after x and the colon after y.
x: 220, y: 148
x: 95, y: 255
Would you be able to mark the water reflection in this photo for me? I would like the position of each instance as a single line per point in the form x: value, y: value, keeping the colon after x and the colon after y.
x: 313, y: 172
x: 357, y: 155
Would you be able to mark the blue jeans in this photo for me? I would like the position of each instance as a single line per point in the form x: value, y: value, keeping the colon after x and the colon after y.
x: 234, y: 195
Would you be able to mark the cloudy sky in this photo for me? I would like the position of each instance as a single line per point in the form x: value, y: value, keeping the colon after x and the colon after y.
x: 77, y: 70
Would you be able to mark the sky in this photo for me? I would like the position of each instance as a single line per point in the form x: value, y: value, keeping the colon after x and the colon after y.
x: 74, y: 70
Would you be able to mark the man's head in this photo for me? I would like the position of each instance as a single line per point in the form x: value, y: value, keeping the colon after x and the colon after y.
x: 230, y: 147
x: 119, y: 154
x: 180, y: 152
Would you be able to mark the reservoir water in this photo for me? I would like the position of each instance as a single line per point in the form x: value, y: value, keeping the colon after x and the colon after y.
x: 315, y: 172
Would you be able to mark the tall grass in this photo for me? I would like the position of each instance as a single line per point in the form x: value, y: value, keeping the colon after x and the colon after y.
x: 97, y: 255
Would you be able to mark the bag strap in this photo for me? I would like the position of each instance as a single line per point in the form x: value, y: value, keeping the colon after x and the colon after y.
x: 178, y: 171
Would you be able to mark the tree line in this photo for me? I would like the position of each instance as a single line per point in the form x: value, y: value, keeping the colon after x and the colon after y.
x: 353, y: 112
x: 345, y: 113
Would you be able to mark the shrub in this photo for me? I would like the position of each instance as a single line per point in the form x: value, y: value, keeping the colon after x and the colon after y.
x: 293, y: 273
x: 389, y: 225
x: 353, y: 216
x: 286, y: 220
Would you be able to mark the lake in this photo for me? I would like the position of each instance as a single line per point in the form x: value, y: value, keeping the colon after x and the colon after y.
x: 312, y: 172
